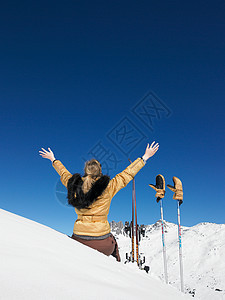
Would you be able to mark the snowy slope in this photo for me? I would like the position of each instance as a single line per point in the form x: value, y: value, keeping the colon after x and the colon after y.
x: 203, y: 256
x: 38, y: 262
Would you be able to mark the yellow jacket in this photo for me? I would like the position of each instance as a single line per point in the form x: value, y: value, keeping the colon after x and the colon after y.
x: 93, y: 221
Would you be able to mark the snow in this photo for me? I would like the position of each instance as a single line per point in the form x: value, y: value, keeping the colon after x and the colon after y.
x: 38, y: 262
x: 203, y: 248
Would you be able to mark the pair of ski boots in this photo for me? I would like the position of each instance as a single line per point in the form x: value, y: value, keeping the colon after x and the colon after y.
x: 159, y: 187
x: 141, y: 261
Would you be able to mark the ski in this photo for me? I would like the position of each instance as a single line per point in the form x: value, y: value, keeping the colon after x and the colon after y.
x: 136, y: 225
x: 132, y: 223
x: 135, y: 231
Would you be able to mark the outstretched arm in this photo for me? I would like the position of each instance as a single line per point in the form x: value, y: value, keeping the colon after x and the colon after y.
x: 58, y: 166
x: 123, y: 178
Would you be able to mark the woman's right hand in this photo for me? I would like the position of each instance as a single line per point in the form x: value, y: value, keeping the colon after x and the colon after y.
x: 150, y: 151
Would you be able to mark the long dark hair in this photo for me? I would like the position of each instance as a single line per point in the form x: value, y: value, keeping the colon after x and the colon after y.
x: 82, y: 192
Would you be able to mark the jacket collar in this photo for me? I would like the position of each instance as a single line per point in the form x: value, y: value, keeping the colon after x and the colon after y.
x: 84, y: 200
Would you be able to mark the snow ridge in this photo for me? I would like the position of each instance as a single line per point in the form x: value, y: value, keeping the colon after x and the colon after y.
x: 203, y: 247
x: 38, y: 262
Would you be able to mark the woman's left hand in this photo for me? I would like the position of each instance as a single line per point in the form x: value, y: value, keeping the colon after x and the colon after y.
x: 46, y: 154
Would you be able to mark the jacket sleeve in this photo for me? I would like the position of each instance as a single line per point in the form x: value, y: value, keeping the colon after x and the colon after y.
x: 123, y: 178
x: 64, y: 174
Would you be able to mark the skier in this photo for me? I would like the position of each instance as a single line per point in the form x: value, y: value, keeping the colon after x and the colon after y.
x: 91, y: 195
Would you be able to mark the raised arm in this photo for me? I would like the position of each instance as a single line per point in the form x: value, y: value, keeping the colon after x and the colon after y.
x: 65, y: 175
x: 58, y: 166
x: 123, y: 178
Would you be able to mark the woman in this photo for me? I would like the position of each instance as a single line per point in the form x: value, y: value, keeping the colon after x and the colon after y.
x: 91, y: 195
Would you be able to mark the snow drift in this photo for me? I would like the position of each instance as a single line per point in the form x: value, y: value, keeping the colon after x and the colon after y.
x: 203, y: 247
x: 38, y: 262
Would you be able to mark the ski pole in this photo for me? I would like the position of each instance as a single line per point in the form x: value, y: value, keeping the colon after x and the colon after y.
x: 159, y: 187
x: 178, y: 195
x: 163, y: 242
x: 180, y: 247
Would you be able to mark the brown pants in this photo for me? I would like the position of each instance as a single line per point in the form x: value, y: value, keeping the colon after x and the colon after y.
x: 106, y: 246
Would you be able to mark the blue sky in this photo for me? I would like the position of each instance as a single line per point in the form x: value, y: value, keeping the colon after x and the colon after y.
x: 77, y: 75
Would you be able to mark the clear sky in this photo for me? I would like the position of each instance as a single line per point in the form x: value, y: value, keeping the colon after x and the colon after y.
x: 102, y: 79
